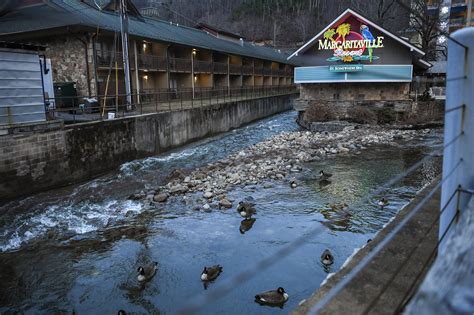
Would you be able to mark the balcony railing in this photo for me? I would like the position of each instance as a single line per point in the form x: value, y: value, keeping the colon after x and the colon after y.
x: 105, y: 57
x: 202, y: 66
x: 258, y: 70
x: 159, y: 63
x: 151, y: 62
x: 220, y: 67
x: 267, y: 71
x: 92, y: 108
x: 235, y: 69
x: 247, y: 69
x: 180, y: 65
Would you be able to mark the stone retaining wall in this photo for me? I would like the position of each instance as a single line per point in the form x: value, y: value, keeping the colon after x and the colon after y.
x: 40, y: 160
x: 389, y: 111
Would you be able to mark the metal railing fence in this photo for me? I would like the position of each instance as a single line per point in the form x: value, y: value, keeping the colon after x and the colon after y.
x: 80, y: 109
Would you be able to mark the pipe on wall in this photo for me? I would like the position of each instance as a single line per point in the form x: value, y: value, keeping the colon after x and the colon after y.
x: 86, y: 56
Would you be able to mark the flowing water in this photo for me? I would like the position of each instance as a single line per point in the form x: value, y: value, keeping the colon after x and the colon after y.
x: 78, y: 248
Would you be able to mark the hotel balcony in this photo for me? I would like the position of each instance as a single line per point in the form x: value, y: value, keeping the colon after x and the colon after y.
x: 235, y: 69
x: 247, y: 70
x: 201, y: 66
x: 258, y: 70
x: 180, y: 65
x: 151, y: 62
x: 105, y: 57
x: 267, y: 71
x: 220, y: 67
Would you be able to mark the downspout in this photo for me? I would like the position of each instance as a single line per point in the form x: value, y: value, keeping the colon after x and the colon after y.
x: 86, y: 55
x: 168, y: 66
x: 94, y: 62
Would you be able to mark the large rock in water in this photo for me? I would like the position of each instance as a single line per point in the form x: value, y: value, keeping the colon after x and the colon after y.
x: 208, y: 194
x: 160, y: 197
x: 225, y: 203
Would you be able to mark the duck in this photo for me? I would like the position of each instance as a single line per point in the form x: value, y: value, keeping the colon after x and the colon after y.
x: 324, y: 182
x: 211, y: 273
x: 246, y: 224
x: 383, y: 202
x: 327, y: 258
x: 323, y: 175
x: 274, y: 297
x: 293, y: 183
x: 246, y: 207
x: 147, y: 272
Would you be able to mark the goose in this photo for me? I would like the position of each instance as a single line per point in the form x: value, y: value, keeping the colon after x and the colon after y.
x: 121, y: 312
x: 246, y: 207
x: 147, y: 272
x: 324, y: 182
x: 293, y: 183
x: 323, y: 175
x: 327, y: 258
x: 211, y: 273
x: 246, y: 224
x: 383, y: 202
x: 274, y: 297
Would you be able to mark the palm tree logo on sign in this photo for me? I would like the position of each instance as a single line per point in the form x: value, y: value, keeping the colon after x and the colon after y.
x: 349, y: 46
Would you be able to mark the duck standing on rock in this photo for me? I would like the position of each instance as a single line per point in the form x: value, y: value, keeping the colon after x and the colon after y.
x: 211, y: 273
x: 327, y: 258
x: 147, y: 272
x: 246, y: 207
x: 383, y: 202
x: 274, y: 297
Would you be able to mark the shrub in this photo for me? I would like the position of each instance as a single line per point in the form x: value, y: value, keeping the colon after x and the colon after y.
x: 386, y: 116
x: 318, y: 112
x: 361, y: 115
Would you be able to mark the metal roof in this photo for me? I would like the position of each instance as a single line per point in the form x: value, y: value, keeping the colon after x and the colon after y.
x: 62, y: 13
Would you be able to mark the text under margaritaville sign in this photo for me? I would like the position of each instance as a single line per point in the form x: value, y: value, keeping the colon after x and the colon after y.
x: 349, y: 46
x: 346, y: 68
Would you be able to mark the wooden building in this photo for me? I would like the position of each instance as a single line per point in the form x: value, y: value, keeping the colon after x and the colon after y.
x: 83, y: 41
x: 354, y: 61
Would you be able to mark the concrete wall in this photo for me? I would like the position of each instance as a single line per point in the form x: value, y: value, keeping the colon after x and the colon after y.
x: 41, y: 160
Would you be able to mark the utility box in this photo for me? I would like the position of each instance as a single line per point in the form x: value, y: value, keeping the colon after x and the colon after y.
x: 65, y: 94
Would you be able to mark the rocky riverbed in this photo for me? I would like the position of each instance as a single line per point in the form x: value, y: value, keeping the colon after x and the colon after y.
x: 280, y: 158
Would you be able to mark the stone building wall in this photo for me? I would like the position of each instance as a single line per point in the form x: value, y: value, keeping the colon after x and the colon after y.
x: 389, y: 101
x: 68, y: 61
x: 357, y: 91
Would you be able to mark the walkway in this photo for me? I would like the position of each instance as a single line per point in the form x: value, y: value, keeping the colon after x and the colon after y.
x: 384, y: 286
x: 152, y: 104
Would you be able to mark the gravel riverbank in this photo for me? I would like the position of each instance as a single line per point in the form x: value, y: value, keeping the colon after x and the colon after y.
x: 279, y: 158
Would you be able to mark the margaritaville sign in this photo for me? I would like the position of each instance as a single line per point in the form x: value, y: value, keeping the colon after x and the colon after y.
x: 348, y: 45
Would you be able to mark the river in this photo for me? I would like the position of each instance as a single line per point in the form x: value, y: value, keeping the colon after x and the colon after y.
x: 77, y: 248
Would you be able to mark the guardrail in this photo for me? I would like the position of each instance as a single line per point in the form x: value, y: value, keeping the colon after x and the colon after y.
x: 79, y: 109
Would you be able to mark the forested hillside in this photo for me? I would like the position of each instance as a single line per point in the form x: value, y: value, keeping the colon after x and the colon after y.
x: 283, y: 23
